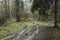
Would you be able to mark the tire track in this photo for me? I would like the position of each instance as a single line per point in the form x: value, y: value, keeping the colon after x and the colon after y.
x: 13, y: 34
x: 30, y: 37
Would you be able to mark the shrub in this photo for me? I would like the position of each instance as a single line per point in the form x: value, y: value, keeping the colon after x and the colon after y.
x: 2, y: 20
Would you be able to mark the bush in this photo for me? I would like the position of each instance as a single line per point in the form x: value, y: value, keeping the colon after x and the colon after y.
x: 2, y: 21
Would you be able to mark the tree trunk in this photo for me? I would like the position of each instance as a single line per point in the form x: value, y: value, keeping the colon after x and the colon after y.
x: 6, y: 14
x: 55, y: 14
x: 17, y: 11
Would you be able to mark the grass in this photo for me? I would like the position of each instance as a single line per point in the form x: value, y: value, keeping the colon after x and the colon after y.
x: 56, y: 34
x: 29, y: 30
x: 4, y: 30
x: 59, y: 24
x: 10, y: 38
x: 13, y: 27
x: 40, y: 23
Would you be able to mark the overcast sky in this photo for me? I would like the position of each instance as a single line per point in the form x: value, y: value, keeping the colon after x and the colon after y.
x: 0, y: 0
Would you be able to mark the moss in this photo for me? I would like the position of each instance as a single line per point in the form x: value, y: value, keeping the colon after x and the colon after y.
x: 5, y: 30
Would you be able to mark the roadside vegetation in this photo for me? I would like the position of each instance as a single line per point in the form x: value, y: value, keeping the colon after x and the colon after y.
x: 19, y: 14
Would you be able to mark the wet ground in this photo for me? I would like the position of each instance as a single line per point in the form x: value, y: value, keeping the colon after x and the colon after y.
x: 41, y: 33
x: 47, y: 33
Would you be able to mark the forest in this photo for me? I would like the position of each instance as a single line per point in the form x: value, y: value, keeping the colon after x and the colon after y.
x: 29, y: 19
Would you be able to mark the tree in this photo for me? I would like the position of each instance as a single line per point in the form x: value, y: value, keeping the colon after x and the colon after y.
x: 55, y: 14
x: 42, y: 6
x: 17, y: 10
x: 7, y: 10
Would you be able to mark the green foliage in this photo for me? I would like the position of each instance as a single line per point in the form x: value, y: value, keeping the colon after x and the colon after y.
x: 36, y: 4
x: 11, y: 28
x: 43, y: 7
x: 2, y: 20
x: 40, y: 5
x: 55, y: 34
x: 40, y: 23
